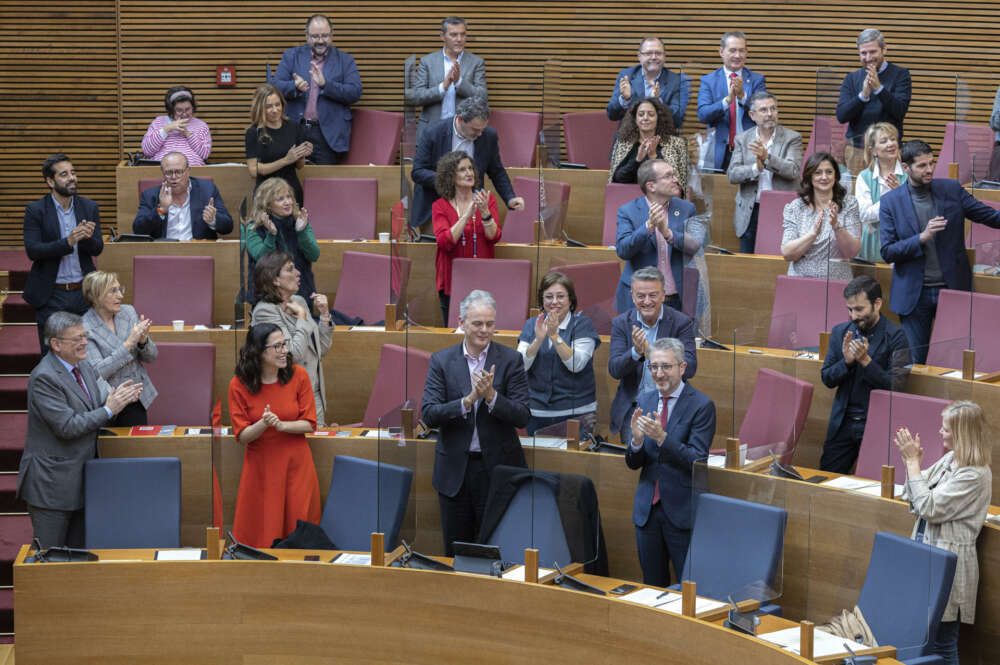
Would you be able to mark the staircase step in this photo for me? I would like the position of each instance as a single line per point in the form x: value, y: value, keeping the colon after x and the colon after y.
x: 14, y: 393
x: 13, y: 429
x: 16, y: 310
x: 17, y: 264
x: 19, y: 352
x: 9, y: 501
x: 15, y: 531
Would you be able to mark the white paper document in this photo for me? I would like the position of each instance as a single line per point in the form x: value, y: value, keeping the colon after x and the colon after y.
x: 717, y: 461
x: 353, y: 559
x: 824, y: 643
x: 544, y: 442
x: 517, y: 573
x: 863, y: 485
x: 957, y: 374
x: 186, y: 554
x: 672, y: 602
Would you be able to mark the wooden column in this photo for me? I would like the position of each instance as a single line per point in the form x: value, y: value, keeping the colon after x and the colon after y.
x: 806, y: 639
x: 378, y: 549
x: 390, y: 317
x: 732, y: 453
x: 688, y: 594
x: 824, y: 344
x: 531, y: 565
x: 968, y: 364
x: 888, y: 481
x: 213, y: 546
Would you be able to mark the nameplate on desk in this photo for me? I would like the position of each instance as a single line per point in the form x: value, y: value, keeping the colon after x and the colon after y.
x: 152, y: 430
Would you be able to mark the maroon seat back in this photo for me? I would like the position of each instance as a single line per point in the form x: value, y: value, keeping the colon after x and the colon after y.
x: 341, y: 208
x: 184, y: 376
x: 509, y: 280
x: 768, y: 428
x: 803, y: 308
x: 589, y: 137
x: 374, y: 137
x: 517, y: 133
x: 616, y: 194
x: 887, y: 412
x: 595, y: 285
x: 769, y: 220
x: 369, y: 282
x: 166, y: 288
x: 402, y: 373
x: 965, y: 321
x: 519, y: 225
x: 969, y: 146
x: 827, y: 135
x: 985, y: 240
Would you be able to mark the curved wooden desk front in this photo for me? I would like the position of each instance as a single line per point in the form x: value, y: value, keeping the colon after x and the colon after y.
x: 284, y: 612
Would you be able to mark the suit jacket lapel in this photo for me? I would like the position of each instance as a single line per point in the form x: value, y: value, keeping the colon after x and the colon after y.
x: 69, y: 381
x: 911, y: 211
x: 461, y: 370
x: 679, y: 407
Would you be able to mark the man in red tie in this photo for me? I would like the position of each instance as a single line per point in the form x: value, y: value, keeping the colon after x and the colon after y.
x: 672, y: 428
x: 66, y: 408
x: 723, y: 97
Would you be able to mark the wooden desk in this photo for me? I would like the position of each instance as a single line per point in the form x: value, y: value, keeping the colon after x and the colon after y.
x: 283, y: 612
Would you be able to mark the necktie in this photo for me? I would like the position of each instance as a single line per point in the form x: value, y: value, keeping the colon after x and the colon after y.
x: 79, y: 379
x: 732, y: 114
x: 663, y: 423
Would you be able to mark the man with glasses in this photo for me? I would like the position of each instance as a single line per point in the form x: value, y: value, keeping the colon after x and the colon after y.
x: 632, y: 333
x: 672, y: 428
x: 320, y: 82
x: 62, y: 235
x: 650, y: 79
x: 477, y: 395
x: 182, y: 207
x: 767, y: 156
x: 66, y: 408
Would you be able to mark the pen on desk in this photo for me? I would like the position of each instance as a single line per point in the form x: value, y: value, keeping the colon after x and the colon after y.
x: 663, y: 594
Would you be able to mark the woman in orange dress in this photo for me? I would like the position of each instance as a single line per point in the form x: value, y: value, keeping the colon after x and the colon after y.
x: 272, y: 408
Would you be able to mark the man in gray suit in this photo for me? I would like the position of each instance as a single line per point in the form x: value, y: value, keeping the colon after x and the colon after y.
x: 767, y: 156
x: 66, y: 408
x: 446, y: 77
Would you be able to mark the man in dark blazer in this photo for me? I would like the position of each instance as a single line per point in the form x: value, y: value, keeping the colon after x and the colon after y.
x: 477, y: 395
x: 922, y: 228
x: 638, y: 221
x: 467, y: 131
x: 631, y: 335
x: 650, y: 79
x: 725, y: 93
x: 320, y: 82
x: 446, y: 77
x: 672, y: 428
x: 878, y: 92
x: 66, y: 408
x: 165, y: 210
x: 867, y: 353
x: 62, y: 235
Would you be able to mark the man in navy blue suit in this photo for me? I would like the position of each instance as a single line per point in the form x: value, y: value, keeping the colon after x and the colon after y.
x: 650, y: 79
x: 659, y: 211
x: 182, y: 208
x: 320, y: 82
x: 672, y: 428
x: 62, y: 235
x: 631, y: 335
x: 477, y: 395
x: 468, y: 132
x: 724, y: 94
x: 922, y: 226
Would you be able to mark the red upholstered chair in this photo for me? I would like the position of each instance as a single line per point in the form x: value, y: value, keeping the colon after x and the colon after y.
x: 769, y: 220
x: 374, y: 137
x: 595, y: 285
x: 589, y: 137
x: 509, y: 280
x: 827, y: 136
x: 969, y: 146
x: 184, y: 376
x: 369, y: 282
x: 965, y: 321
x: 341, y: 208
x: 402, y: 373
x: 146, y: 183
x: 616, y: 194
x: 803, y: 308
x: 776, y: 416
x: 517, y: 132
x: 519, y: 225
x: 887, y: 412
x: 166, y: 288
x: 985, y: 240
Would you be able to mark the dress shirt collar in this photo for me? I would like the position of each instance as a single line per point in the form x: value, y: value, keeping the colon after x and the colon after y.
x: 729, y: 74
x: 461, y: 137
x: 656, y: 323
x: 72, y: 201
x: 447, y: 58
x: 69, y: 368
x: 481, y: 358
x: 677, y: 392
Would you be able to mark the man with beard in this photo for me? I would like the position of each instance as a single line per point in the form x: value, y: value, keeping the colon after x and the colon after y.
x: 62, y: 235
x: 650, y: 79
x: 868, y: 352
x: 320, y: 82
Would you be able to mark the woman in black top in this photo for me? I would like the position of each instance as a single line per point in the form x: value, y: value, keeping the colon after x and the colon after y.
x: 274, y: 144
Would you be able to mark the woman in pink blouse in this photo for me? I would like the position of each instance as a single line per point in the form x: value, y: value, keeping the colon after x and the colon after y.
x: 179, y: 130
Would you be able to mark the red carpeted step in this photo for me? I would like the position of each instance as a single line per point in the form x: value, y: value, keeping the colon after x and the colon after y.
x: 15, y: 310
x: 15, y: 531
x: 17, y: 264
x: 13, y: 429
x: 19, y: 352
x: 9, y: 501
x: 7, y: 613
x: 13, y: 393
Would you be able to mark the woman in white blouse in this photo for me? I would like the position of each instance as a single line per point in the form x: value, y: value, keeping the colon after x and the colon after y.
x: 951, y: 500
x: 884, y: 173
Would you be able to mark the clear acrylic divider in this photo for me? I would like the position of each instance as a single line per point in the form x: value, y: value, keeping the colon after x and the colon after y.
x: 728, y: 417
x: 827, y: 133
x: 985, y: 259
x: 972, y: 139
x: 394, y: 493
x: 694, y: 287
x: 861, y: 558
x: 551, y: 137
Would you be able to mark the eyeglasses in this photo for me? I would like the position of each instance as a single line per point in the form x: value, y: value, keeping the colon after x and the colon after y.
x: 660, y: 367
x: 120, y: 290
x: 651, y: 54
x: 322, y: 37
x: 277, y: 346
x: 174, y: 173
x: 79, y: 339
x: 551, y: 297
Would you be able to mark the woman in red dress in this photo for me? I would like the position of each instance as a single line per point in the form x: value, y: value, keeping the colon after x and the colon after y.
x: 272, y: 408
x: 465, y: 220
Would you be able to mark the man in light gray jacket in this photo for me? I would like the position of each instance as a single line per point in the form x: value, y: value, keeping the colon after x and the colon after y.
x: 66, y: 408
x: 444, y: 78
x: 767, y: 156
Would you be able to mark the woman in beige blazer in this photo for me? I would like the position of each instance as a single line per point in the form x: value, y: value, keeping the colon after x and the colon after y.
x: 276, y: 281
x: 951, y: 500
x: 119, y: 343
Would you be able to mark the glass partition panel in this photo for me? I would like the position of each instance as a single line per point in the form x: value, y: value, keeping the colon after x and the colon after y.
x: 693, y: 287
x: 395, y: 491
x: 827, y: 133
x: 761, y: 381
x: 551, y: 137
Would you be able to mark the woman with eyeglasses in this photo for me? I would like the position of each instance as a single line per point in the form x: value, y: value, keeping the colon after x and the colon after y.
x: 119, y: 343
x: 272, y: 409
x: 178, y: 131
x: 558, y: 350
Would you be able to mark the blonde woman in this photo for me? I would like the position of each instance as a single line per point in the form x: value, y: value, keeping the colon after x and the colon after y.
x: 884, y: 173
x: 951, y: 499
x: 275, y: 146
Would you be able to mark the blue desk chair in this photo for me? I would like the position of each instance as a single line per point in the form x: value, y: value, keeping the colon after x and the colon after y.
x: 736, y: 549
x: 132, y: 502
x: 351, y: 513
x: 532, y: 520
x: 905, y: 593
